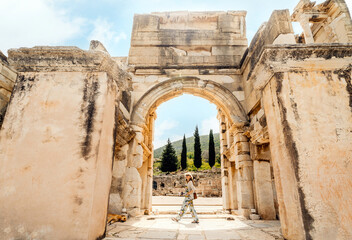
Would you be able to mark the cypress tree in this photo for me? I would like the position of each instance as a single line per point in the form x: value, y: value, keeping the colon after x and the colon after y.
x: 184, y: 154
x: 211, y: 149
x: 197, y: 150
x: 169, y: 158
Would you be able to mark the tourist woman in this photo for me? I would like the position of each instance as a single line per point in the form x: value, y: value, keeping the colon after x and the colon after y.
x: 188, y: 201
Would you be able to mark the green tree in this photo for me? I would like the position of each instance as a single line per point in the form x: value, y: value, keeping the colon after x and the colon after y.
x: 211, y: 149
x: 184, y: 154
x: 190, y: 155
x: 169, y: 158
x: 197, y: 149
x: 217, y: 158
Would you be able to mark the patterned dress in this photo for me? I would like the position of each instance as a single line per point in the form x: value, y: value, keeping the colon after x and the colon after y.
x: 188, y: 202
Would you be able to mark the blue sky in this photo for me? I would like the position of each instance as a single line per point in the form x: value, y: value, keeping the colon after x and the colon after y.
x: 180, y: 116
x: 75, y: 22
x: 27, y: 23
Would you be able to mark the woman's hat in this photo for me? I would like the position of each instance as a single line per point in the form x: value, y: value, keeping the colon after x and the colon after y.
x: 189, y: 174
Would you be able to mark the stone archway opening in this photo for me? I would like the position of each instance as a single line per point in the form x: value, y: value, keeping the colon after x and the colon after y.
x: 175, y: 118
x: 232, y: 120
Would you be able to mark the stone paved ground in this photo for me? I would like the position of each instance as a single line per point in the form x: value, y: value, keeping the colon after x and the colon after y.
x: 171, y: 200
x: 172, y: 205
x: 212, y: 227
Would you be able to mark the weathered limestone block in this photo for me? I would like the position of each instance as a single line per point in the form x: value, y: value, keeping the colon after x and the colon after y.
x: 230, y: 23
x: 244, y: 182
x: 118, y: 175
x: 145, y: 22
x: 136, y: 155
x: 115, y: 203
x: 181, y: 39
x: 241, y: 148
x: 97, y: 46
x: 261, y: 152
x: 132, y: 191
x: 139, y: 138
x: 137, y: 160
x: 245, y: 195
x: 242, y: 158
x: 8, y: 77
x: 227, y: 50
x: 56, y: 152
x: 118, y: 172
x: 225, y: 189
x: 264, y: 191
x: 239, y: 137
x: 309, y: 142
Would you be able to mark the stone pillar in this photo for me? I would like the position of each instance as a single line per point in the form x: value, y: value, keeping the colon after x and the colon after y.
x: 148, y: 163
x: 264, y: 191
x: 232, y: 176
x: 308, y: 36
x: 224, y: 161
x: 233, y: 186
x: 263, y: 188
x: 143, y: 172
x: 132, y: 191
x: 244, y: 166
x: 118, y: 180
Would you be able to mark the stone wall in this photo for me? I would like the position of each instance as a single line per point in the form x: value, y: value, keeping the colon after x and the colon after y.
x: 7, y: 81
x: 56, y: 144
x: 207, y: 183
x: 307, y: 102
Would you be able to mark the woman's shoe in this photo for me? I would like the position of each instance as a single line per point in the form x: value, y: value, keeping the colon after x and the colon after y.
x: 194, y: 221
x: 174, y: 219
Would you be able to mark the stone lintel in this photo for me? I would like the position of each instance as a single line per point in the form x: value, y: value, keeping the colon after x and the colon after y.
x: 187, y: 70
x: 284, y: 58
x: 64, y: 59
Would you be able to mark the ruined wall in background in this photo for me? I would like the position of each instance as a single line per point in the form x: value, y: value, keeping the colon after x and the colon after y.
x: 207, y: 183
x: 8, y: 78
x: 328, y: 22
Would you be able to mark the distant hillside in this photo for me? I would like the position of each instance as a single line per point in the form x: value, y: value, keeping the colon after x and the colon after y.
x: 204, y: 142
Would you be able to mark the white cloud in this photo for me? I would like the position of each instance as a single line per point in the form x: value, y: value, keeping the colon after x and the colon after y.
x: 207, y: 124
x: 104, y: 33
x: 37, y: 22
x: 160, y: 128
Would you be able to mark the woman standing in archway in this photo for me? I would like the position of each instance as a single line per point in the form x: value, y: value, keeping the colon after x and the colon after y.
x: 188, y: 201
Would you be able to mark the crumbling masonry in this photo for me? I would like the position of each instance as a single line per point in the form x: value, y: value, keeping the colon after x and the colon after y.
x: 77, y: 125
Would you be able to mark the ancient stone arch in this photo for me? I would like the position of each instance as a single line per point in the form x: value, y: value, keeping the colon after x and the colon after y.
x: 208, y: 89
x: 143, y: 115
